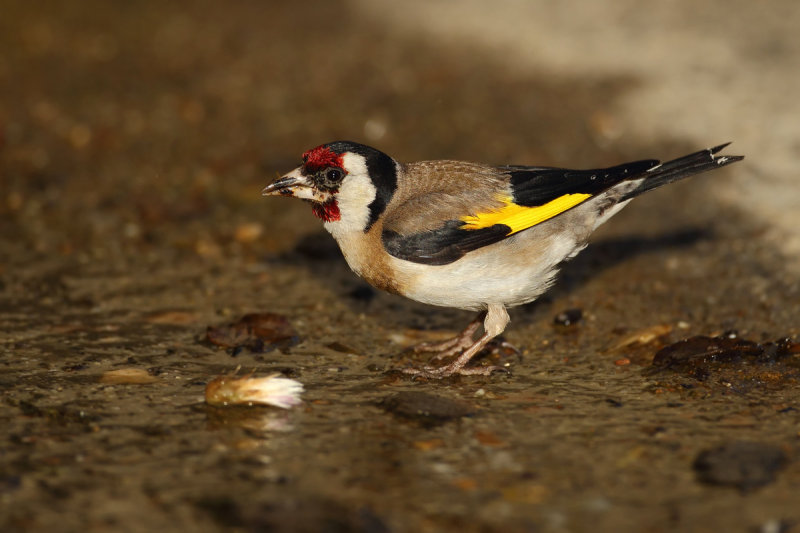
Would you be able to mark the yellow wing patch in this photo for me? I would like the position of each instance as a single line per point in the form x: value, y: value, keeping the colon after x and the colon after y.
x: 518, y: 217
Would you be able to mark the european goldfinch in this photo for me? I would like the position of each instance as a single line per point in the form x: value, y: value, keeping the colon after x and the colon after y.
x: 467, y: 235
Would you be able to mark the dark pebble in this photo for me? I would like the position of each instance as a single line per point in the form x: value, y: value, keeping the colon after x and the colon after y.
x: 568, y: 317
x: 727, y: 348
x: 428, y: 409
x: 741, y: 464
x: 258, y: 332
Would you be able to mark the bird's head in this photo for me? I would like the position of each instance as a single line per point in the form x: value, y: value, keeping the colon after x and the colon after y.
x: 348, y: 184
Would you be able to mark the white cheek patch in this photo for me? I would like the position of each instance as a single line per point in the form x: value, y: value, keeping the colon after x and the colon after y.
x: 355, y: 164
x: 355, y: 194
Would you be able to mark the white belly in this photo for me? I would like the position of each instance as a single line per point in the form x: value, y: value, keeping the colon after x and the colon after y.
x: 511, y: 272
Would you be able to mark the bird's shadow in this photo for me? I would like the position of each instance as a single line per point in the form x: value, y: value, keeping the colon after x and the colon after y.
x: 318, y: 254
x: 607, y: 253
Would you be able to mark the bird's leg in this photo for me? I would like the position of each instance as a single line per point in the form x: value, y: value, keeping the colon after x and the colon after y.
x: 452, y: 346
x: 496, y: 320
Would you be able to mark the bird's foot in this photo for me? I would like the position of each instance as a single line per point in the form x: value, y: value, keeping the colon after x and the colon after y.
x: 463, y: 348
x: 497, y: 349
x: 449, y: 347
x: 443, y: 350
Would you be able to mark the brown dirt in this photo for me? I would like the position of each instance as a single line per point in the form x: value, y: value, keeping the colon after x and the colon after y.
x: 134, y: 140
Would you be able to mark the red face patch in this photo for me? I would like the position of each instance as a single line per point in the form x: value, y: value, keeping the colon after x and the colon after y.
x: 328, y: 212
x: 321, y: 157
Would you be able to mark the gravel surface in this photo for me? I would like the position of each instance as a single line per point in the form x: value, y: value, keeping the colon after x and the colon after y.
x: 656, y: 384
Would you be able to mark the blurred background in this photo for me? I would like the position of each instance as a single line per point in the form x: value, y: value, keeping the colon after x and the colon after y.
x: 135, y: 123
x: 135, y: 138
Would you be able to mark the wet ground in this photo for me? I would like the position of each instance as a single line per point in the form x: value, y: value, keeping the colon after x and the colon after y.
x: 134, y: 140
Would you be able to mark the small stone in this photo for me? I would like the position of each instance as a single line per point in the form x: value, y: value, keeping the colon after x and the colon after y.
x: 742, y: 464
x: 428, y: 409
x: 568, y: 317
x: 258, y: 332
x: 135, y: 376
x: 248, y: 232
x: 337, y: 346
x: 427, y: 445
x: 487, y: 438
x: 171, y: 317
x: 644, y: 336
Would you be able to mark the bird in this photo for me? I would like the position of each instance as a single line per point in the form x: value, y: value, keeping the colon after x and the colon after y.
x: 465, y: 235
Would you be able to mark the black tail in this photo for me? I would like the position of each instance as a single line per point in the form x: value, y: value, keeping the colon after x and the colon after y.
x: 683, y: 167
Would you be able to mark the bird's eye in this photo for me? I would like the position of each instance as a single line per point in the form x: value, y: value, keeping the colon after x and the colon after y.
x: 334, y: 175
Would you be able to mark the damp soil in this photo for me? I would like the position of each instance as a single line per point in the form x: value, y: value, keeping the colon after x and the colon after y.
x: 134, y: 141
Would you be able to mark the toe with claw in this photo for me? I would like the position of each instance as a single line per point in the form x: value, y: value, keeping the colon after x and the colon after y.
x: 464, y: 348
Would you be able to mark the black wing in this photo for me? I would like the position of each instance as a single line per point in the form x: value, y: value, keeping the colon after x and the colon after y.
x: 443, y: 245
x: 534, y: 186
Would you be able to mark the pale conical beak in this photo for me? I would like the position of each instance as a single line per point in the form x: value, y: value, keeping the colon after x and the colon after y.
x: 292, y: 184
x: 282, y: 187
x: 297, y: 185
